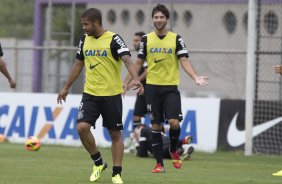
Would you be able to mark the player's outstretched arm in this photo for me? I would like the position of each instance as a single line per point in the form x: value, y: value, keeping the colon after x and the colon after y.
x: 188, y: 68
x: 75, y: 71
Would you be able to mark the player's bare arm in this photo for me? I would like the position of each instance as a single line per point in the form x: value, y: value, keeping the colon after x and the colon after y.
x: 141, y: 78
x: 133, y: 72
x: 5, y: 72
x: 126, y: 82
x: 188, y: 68
x: 75, y: 71
x: 143, y: 75
x: 278, y: 69
x: 128, y: 79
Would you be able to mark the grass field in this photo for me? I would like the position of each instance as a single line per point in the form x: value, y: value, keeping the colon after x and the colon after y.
x: 72, y: 165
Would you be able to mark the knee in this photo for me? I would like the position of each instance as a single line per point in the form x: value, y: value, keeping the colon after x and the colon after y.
x: 115, y: 135
x: 82, y: 128
x: 174, y: 123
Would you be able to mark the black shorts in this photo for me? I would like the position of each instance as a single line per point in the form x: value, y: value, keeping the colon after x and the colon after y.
x: 140, y: 108
x: 163, y: 103
x: 109, y: 107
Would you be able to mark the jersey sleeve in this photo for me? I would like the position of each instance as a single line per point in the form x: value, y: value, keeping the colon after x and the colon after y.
x: 181, y: 50
x: 142, y: 53
x: 79, y: 52
x: 118, y: 47
x: 1, y: 51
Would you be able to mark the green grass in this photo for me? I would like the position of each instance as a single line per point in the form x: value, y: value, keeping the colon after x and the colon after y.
x: 72, y: 165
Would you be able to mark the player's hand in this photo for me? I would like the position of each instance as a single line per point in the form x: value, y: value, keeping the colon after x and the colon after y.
x: 278, y: 69
x: 139, y: 87
x: 13, y: 83
x: 201, y: 80
x: 125, y: 88
x: 62, y: 96
x: 131, y: 85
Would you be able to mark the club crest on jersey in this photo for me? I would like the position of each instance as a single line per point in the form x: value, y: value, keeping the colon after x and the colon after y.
x: 161, y: 50
x: 95, y: 53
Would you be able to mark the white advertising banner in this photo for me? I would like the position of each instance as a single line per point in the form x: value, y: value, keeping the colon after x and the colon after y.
x: 29, y: 114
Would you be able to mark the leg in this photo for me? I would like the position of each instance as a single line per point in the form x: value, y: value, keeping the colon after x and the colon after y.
x: 111, y: 111
x: 88, y: 112
x: 140, y: 110
x: 157, y: 147
x: 186, y: 155
x: 173, y: 114
x: 157, y: 143
x: 155, y: 112
x: 117, y: 147
x: 88, y: 141
x: 145, y: 141
x: 136, y: 121
x: 86, y: 137
x: 117, y: 155
x: 133, y: 144
x: 174, y: 133
x: 166, y: 153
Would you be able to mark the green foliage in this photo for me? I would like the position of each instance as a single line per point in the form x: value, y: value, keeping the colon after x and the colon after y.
x: 72, y: 165
x: 62, y: 23
x: 16, y: 18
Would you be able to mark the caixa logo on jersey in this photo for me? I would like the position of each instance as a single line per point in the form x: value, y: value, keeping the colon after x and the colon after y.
x: 188, y: 125
x: 22, y: 122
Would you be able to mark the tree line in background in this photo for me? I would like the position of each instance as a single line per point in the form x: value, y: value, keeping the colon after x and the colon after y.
x: 17, y: 20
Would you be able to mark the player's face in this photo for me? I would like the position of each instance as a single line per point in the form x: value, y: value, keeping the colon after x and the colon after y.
x: 160, y: 21
x: 136, y: 42
x: 88, y: 27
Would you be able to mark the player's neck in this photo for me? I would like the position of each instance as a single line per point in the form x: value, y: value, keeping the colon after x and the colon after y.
x: 99, y: 32
x: 161, y: 32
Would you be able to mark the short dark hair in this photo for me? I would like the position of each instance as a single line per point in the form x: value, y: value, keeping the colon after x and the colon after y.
x: 160, y: 8
x: 93, y: 14
x: 140, y: 33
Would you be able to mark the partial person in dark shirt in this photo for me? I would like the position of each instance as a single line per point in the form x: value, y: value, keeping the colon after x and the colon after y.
x: 143, y: 137
x: 140, y: 109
